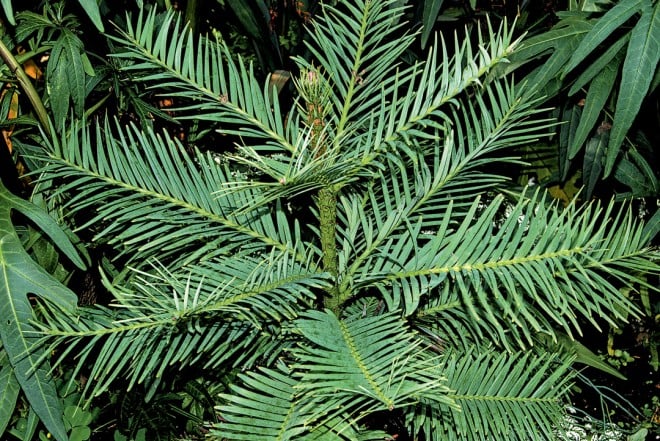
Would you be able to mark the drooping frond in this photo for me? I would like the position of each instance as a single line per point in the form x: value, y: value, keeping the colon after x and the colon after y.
x: 224, y: 313
x: 363, y: 365
x: 266, y: 406
x: 517, y: 396
x: 151, y: 199
x: 543, y: 269
x: 204, y: 79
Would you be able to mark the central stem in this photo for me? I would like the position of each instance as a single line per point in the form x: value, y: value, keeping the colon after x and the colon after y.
x: 327, y: 200
x: 314, y: 92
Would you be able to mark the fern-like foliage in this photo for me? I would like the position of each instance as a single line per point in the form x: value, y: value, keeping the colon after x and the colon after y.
x: 350, y: 255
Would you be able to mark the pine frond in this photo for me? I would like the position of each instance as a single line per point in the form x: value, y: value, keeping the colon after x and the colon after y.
x: 363, y: 365
x: 204, y: 77
x: 517, y: 396
x: 352, y: 46
x: 267, y: 405
x: 162, y: 320
x: 544, y: 268
x: 152, y: 200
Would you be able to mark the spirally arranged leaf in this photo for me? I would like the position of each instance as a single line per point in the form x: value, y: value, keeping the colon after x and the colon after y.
x: 20, y: 276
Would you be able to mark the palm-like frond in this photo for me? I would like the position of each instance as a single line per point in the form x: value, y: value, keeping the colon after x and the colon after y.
x: 539, y: 270
x: 521, y: 393
x: 363, y: 365
x: 267, y: 405
x: 167, y: 210
x: 219, y: 314
x: 205, y: 78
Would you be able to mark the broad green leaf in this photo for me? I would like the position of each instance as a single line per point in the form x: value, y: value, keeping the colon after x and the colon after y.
x: 607, y: 24
x: 9, y: 12
x: 638, y: 71
x: 91, y: 7
x: 633, y: 171
x: 567, y: 29
x: 20, y: 276
x: 564, y: 43
x: 592, y: 166
x: 597, y: 95
x: 9, y: 389
x: 429, y: 16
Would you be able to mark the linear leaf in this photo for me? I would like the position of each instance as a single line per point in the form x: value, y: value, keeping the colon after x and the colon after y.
x: 614, y: 18
x: 638, y: 70
x: 599, y: 91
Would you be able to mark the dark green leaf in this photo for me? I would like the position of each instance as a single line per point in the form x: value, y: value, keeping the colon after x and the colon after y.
x: 607, y: 24
x: 638, y: 71
x: 597, y: 95
x: 592, y: 166
x: 597, y: 66
x: 91, y: 7
x: 429, y: 16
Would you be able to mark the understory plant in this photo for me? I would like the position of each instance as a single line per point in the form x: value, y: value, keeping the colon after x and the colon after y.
x: 354, y: 266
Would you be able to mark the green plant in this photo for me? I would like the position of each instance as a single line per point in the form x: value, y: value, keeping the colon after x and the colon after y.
x: 604, y: 66
x: 344, y: 257
x: 340, y: 263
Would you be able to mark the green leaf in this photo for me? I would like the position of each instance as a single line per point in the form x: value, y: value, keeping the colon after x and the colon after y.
x: 582, y: 354
x: 369, y: 363
x: 429, y: 16
x: 9, y: 389
x: 592, y: 165
x: 638, y: 71
x: 9, y: 12
x: 607, y: 24
x: 20, y: 276
x: 91, y: 7
x: 253, y: 16
x: 65, y: 76
x: 597, y: 66
x: 599, y: 91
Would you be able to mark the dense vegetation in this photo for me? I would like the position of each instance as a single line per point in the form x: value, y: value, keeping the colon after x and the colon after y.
x: 350, y: 220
